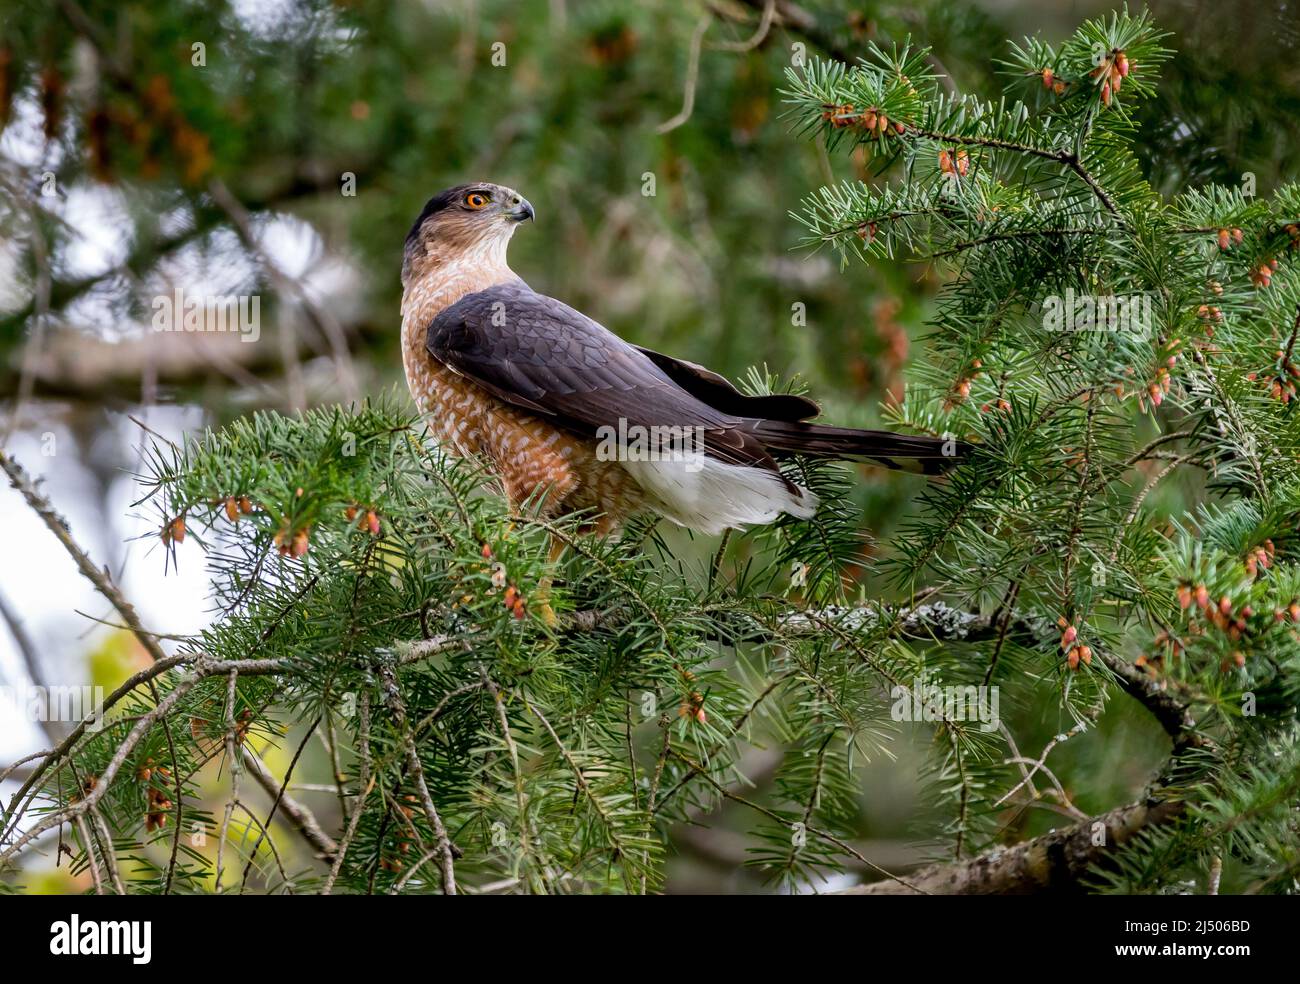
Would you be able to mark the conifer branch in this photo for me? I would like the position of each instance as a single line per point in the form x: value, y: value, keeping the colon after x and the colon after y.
x: 1055, y: 861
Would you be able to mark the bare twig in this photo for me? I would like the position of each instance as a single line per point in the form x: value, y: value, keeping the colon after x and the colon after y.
x: 20, y: 480
x: 110, y: 856
x: 83, y: 831
x: 1053, y: 860
x: 232, y: 760
x: 758, y: 37
x: 281, y: 799
x: 40, y: 316
x: 830, y: 838
x: 366, y: 784
x: 320, y: 314
x: 397, y: 706
x: 27, y: 649
x: 105, y: 779
x: 692, y: 77
x: 301, y: 818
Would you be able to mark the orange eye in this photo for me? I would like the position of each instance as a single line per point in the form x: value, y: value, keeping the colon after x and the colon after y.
x: 475, y: 200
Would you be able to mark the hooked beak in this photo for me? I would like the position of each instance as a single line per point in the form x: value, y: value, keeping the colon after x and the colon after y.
x: 522, y: 210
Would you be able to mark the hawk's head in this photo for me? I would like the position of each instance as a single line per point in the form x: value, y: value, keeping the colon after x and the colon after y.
x: 471, y: 219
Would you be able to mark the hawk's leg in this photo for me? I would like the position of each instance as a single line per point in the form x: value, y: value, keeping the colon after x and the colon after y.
x: 601, y: 526
x: 543, y: 596
x: 546, y: 501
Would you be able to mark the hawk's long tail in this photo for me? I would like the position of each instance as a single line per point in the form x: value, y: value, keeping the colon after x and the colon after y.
x: 932, y: 454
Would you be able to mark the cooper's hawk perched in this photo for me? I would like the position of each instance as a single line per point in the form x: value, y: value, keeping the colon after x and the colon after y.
x: 544, y: 393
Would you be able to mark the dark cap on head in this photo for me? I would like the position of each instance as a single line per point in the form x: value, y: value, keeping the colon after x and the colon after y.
x: 436, y: 204
x: 475, y: 220
x: 499, y: 200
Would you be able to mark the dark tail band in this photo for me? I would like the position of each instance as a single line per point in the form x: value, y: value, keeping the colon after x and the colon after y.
x: 933, y: 454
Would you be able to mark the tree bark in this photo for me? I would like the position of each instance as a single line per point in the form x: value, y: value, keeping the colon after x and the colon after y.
x: 1053, y: 862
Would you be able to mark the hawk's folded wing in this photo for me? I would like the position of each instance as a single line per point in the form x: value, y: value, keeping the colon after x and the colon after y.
x: 718, y: 392
x: 540, y: 355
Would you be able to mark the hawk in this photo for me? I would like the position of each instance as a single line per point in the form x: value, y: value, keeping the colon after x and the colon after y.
x: 571, y: 417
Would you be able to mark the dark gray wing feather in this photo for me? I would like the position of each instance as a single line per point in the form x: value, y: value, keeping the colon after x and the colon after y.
x: 718, y: 392
x: 537, y: 353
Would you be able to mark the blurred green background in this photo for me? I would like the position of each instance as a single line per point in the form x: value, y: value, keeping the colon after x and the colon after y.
x: 124, y: 123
